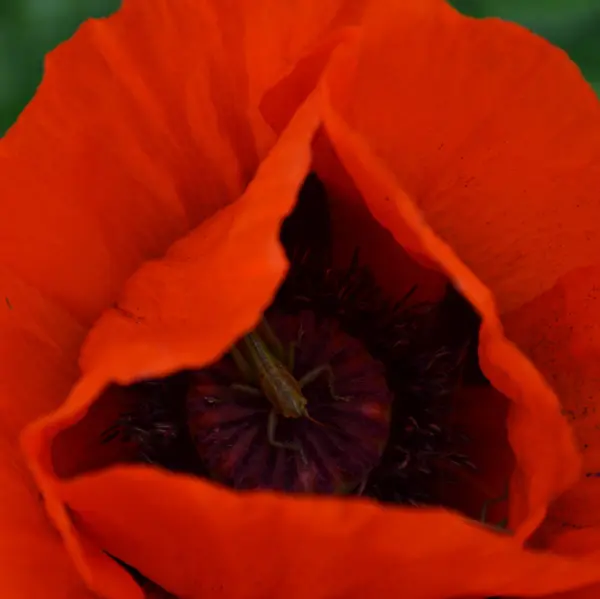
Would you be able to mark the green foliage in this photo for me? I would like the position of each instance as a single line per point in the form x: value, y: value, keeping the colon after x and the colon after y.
x: 30, y: 28
x: 573, y: 25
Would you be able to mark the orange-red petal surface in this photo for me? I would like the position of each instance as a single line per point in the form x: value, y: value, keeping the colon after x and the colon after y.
x: 560, y: 332
x: 138, y: 130
x: 430, y: 152
x: 38, y: 352
x: 145, y: 123
x: 267, y: 38
x: 198, y: 540
x: 576, y: 542
x: 491, y: 131
x: 180, y: 312
x: 534, y: 419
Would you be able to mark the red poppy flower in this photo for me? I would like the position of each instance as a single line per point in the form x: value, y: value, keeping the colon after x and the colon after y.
x: 144, y: 190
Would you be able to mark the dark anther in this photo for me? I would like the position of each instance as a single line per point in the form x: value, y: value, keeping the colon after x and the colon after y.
x: 311, y: 214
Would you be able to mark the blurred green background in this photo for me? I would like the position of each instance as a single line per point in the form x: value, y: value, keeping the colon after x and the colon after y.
x: 29, y: 28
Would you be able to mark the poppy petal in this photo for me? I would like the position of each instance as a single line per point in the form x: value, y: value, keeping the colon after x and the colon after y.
x: 270, y: 40
x: 153, y: 137
x: 145, y: 123
x: 38, y: 351
x: 214, y: 283
x: 492, y: 132
x: 353, y: 226
x: 272, y: 545
x: 182, y: 311
x: 34, y: 560
x: 578, y: 542
x: 546, y: 459
x: 560, y: 332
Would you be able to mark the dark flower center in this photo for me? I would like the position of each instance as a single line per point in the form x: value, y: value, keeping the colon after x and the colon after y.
x: 354, y: 396
x: 331, y: 449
